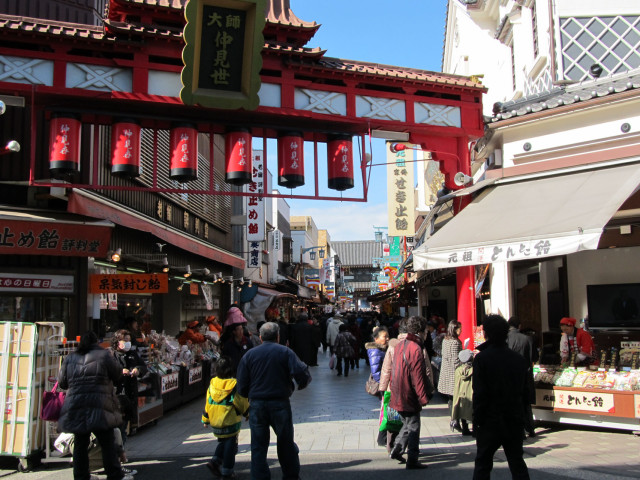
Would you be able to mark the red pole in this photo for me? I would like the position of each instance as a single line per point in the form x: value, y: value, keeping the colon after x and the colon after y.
x: 465, y: 276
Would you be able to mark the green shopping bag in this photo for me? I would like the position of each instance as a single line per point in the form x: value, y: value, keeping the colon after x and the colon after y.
x: 390, y: 420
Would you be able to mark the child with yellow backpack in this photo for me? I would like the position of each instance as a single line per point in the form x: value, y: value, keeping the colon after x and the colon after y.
x: 223, y: 410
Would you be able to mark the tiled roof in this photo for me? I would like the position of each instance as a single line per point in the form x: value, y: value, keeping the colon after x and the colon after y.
x: 568, y: 95
x: 289, y: 49
x: 352, y: 66
x: 357, y: 252
x: 52, y: 27
x: 359, y: 285
x: 172, y: 4
x: 140, y: 29
x: 279, y: 12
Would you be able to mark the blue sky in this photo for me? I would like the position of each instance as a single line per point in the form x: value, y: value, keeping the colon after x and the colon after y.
x: 407, y: 33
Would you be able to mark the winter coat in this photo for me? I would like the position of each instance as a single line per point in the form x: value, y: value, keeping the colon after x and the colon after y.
x: 523, y: 344
x: 376, y: 355
x: 450, y: 361
x: 344, y: 345
x: 301, y: 341
x: 408, y: 376
x: 385, y: 371
x: 333, y: 328
x: 500, y: 387
x: 462, y: 408
x: 127, y: 387
x: 224, y: 407
x: 236, y: 351
x: 91, y: 404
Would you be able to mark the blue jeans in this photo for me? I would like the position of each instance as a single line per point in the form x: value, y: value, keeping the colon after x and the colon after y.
x: 276, y: 414
x: 225, y: 454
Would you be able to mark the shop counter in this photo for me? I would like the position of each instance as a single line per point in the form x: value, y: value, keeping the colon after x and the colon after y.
x: 588, y: 406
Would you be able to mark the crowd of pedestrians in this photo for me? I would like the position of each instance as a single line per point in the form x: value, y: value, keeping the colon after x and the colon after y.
x: 411, y: 359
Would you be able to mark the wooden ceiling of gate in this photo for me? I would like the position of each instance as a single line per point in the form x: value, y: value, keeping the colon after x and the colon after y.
x: 309, y: 91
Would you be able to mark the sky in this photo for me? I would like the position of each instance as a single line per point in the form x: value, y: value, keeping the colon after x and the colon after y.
x: 406, y: 33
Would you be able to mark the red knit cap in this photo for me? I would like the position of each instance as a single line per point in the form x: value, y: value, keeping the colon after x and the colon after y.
x: 568, y: 321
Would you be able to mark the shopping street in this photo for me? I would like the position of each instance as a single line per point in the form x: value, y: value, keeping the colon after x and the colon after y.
x: 335, y: 430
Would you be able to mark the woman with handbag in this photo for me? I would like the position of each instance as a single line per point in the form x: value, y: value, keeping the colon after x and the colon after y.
x: 376, y: 351
x: 91, y: 406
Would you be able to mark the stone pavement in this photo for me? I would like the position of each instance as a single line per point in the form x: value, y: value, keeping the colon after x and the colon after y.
x: 335, y: 429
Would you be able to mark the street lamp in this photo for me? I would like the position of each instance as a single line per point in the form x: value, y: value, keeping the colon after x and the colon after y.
x: 379, y: 232
x: 312, y: 255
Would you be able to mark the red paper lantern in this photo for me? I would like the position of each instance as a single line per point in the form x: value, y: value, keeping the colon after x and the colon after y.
x: 340, y: 162
x: 291, y: 160
x: 64, y: 145
x: 125, y: 147
x: 238, y: 155
x: 184, y: 153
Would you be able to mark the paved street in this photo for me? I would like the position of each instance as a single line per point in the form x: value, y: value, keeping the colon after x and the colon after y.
x: 336, y: 432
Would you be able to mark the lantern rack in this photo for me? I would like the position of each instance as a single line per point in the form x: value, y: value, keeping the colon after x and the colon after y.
x: 84, y: 169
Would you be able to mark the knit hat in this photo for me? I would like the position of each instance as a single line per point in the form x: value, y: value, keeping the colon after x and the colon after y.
x: 193, y: 324
x: 568, y: 321
x: 211, y: 318
x: 234, y: 317
x: 465, y: 356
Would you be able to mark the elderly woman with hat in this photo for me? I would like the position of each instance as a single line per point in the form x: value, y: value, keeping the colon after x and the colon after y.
x: 575, y: 340
x: 235, y: 343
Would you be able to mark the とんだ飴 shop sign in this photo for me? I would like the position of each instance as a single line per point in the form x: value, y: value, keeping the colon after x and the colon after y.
x: 129, y: 283
x: 222, y: 54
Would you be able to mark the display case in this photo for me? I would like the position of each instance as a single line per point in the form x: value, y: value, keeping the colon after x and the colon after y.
x: 587, y: 396
x: 149, y: 407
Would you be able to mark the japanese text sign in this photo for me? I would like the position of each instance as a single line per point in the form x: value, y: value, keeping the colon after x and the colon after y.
x: 170, y: 382
x: 401, y: 192
x: 222, y: 53
x: 582, y: 400
x: 255, y: 203
x: 49, y: 238
x: 195, y: 374
x: 36, y: 283
x: 125, y: 283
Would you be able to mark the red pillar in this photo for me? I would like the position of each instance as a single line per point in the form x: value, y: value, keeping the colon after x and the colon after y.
x: 465, y: 276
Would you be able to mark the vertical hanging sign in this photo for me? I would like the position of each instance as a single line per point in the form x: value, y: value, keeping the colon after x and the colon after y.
x: 400, y: 188
x: 255, y: 210
x: 222, y: 54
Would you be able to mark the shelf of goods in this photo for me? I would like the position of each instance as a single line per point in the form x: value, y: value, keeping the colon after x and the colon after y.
x: 30, y: 359
x: 149, y: 400
x: 598, y: 398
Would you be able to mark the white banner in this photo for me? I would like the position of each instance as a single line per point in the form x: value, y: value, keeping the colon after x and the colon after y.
x: 276, y: 240
x: 499, y: 252
x: 254, y: 255
x: 401, y: 192
x: 255, y: 203
x: 36, y: 283
x: 207, y: 293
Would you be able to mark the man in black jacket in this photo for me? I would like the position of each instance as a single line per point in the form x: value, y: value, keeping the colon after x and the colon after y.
x: 500, y: 390
x: 265, y: 377
x: 523, y: 344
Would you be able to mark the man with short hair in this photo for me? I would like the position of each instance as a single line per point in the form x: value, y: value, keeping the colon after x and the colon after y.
x: 409, y: 391
x: 500, y: 390
x: 265, y: 377
x: 523, y: 344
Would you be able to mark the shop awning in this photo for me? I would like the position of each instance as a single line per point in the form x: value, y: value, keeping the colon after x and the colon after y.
x: 85, y: 203
x: 37, y: 232
x: 531, y: 219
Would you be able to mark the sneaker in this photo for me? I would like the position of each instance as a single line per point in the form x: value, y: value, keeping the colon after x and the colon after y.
x: 128, y: 471
x: 127, y: 477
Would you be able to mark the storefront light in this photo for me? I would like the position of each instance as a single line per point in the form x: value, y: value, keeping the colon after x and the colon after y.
x: 115, y: 256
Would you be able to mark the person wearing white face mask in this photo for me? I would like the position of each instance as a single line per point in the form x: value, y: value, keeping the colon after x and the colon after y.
x: 133, y: 367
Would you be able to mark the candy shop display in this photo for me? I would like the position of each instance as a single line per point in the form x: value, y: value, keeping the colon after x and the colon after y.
x: 587, y: 379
